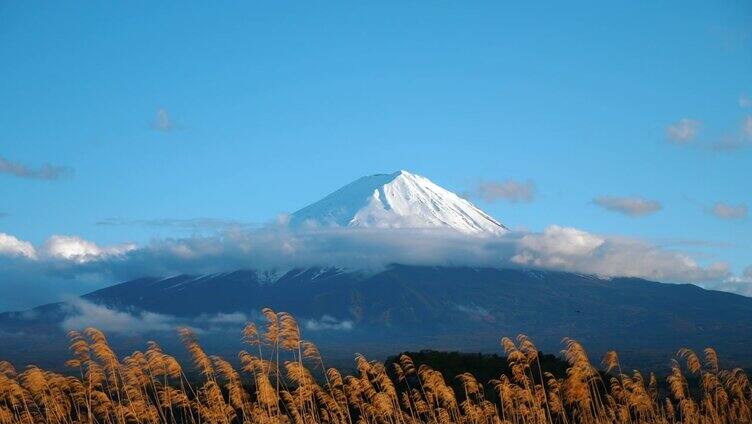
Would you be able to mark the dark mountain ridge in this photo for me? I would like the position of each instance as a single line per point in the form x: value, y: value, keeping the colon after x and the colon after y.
x: 459, y: 308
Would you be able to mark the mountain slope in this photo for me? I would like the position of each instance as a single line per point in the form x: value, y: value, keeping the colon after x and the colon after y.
x: 398, y: 200
x: 443, y: 308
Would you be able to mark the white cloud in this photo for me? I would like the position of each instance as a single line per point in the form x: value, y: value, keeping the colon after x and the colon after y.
x: 11, y: 246
x: 632, y: 206
x: 740, y: 284
x: 328, y: 323
x: 60, y: 247
x: 556, y: 246
x: 510, y: 190
x: 563, y: 248
x: 683, y: 131
x: 76, y: 249
x: 570, y: 249
x: 745, y: 278
x: 726, y: 211
x: 83, y: 266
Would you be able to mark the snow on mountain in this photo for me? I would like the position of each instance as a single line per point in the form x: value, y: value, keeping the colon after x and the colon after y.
x: 398, y: 200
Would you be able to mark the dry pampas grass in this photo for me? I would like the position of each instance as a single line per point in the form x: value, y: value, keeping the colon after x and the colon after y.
x: 282, y: 379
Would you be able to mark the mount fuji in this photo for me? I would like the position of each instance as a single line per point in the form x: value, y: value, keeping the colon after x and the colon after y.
x: 397, y: 200
x: 401, y: 306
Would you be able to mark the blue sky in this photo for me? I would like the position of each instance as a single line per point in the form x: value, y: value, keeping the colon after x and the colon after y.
x: 244, y: 111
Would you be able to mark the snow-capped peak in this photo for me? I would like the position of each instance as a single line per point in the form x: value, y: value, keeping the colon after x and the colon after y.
x: 398, y: 200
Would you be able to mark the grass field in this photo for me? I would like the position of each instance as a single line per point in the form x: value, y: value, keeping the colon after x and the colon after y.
x: 282, y: 378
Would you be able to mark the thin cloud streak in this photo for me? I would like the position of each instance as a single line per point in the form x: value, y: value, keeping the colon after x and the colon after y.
x: 509, y: 190
x: 45, y: 172
x: 193, y: 224
x: 631, y: 206
x: 683, y: 131
x: 729, y: 212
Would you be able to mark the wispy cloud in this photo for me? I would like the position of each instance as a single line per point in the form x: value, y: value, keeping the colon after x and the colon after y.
x: 162, y: 121
x: 686, y: 131
x: 45, y: 172
x: 475, y: 312
x: 738, y: 139
x: 683, y: 131
x: 726, y: 211
x: 741, y: 284
x: 225, y: 318
x: 632, y: 206
x: 511, y: 191
x: 745, y: 101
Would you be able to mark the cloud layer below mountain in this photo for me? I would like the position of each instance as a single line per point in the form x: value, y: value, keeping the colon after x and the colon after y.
x: 83, y: 314
x: 66, y: 264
